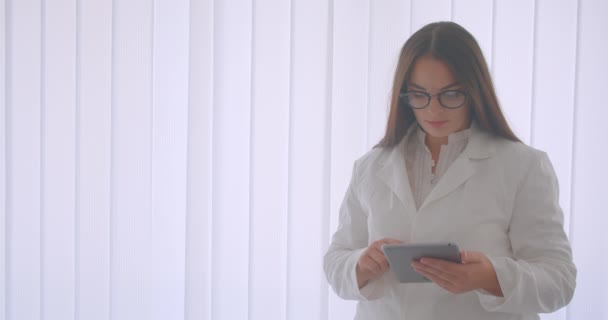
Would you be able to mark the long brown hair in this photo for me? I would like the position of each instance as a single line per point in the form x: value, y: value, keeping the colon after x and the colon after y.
x: 454, y: 45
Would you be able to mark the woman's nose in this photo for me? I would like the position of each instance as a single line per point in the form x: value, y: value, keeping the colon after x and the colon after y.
x: 434, y: 106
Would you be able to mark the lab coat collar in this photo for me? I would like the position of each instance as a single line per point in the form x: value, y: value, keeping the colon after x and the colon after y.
x: 481, y: 144
x: 393, y: 170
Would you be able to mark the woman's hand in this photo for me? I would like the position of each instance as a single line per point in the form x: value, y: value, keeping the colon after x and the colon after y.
x: 372, y: 264
x: 475, y: 272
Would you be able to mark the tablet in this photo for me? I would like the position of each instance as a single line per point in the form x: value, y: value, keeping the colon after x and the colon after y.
x: 400, y: 258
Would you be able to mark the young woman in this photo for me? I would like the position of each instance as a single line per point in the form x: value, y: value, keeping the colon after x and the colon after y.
x: 449, y: 169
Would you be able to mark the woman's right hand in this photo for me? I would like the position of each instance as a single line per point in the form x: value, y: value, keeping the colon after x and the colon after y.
x: 372, y: 264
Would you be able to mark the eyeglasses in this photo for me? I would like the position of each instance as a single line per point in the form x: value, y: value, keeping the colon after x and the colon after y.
x: 450, y: 99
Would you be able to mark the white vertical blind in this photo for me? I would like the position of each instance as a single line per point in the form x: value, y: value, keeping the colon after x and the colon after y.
x: 169, y: 158
x: 427, y: 11
x: 93, y: 172
x: 3, y: 207
x: 23, y: 161
x: 131, y: 202
x: 198, y: 244
x: 309, y: 148
x: 271, y: 57
x: 231, y: 173
x: 588, y: 220
x: 58, y: 181
x: 187, y: 159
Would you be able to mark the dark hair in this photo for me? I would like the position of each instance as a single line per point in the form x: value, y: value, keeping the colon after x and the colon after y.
x: 454, y: 45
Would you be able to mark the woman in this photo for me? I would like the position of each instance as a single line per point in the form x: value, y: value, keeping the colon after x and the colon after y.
x: 449, y: 169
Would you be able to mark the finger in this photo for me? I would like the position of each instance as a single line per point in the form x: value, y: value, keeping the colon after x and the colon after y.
x: 369, y: 264
x: 442, y: 266
x: 379, y: 243
x: 392, y: 241
x: 427, y: 269
x: 473, y: 257
x: 379, y: 257
x: 437, y: 280
x: 447, y: 275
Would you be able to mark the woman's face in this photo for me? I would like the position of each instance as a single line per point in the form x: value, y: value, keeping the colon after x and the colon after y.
x: 433, y: 76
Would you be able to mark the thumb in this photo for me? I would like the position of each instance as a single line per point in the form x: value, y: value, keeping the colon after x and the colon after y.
x: 392, y: 241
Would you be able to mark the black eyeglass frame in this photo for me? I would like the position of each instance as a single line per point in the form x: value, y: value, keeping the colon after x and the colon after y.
x: 403, y: 98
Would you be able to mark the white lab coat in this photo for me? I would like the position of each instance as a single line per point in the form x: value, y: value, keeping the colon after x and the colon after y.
x: 498, y: 197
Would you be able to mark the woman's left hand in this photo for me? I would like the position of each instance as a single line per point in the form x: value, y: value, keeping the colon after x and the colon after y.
x: 475, y: 272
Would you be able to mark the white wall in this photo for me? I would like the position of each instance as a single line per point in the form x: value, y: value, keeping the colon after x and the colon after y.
x: 176, y: 159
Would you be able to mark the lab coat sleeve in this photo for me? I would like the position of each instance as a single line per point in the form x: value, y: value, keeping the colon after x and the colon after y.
x: 540, y: 277
x: 347, y: 245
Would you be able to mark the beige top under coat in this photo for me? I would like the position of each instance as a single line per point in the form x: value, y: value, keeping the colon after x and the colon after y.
x: 419, y: 162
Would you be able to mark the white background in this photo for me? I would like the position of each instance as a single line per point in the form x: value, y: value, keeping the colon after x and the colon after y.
x: 176, y: 159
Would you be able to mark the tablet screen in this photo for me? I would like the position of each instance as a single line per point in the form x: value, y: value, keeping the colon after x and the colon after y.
x: 400, y: 258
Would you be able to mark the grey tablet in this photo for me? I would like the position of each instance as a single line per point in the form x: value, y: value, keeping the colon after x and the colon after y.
x: 400, y: 258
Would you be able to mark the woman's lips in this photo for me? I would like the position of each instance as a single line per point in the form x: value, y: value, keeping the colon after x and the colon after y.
x: 437, y: 124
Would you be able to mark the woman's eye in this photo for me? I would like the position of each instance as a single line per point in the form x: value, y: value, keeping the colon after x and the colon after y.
x: 418, y: 95
x: 451, y: 94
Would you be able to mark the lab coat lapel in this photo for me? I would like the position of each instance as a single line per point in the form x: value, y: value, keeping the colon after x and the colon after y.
x: 394, y: 175
x: 480, y: 146
x: 459, y: 172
